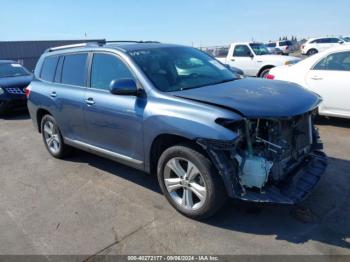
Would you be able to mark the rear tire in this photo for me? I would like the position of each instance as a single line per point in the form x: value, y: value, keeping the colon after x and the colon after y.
x: 311, y: 52
x: 52, y: 138
x: 265, y: 72
x: 190, y: 182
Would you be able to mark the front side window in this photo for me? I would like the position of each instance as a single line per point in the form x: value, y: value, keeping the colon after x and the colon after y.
x: 105, y: 68
x: 12, y: 70
x: 242, y: 51
x: 74, y: 70
x: 180, y: 68
x: 335, y: 62
x: 49, y: 68
x: 259, y: 49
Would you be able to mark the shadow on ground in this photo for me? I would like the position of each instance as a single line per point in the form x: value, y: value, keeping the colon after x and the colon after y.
x: 324, y: 217
x: 17, y: 115
x: 333, y: 121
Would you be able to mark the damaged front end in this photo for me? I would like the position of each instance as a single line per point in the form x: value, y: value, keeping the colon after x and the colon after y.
x: 271, y: 160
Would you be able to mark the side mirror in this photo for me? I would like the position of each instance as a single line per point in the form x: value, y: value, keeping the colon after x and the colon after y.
x: 123, y: 87
x: 251, y: 55
x: 341, y: 42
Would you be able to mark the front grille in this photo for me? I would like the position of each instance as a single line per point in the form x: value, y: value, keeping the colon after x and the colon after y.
x: 15, y: 91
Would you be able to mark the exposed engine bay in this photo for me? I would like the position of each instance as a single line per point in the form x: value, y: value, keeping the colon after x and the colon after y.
x: 266, y: 154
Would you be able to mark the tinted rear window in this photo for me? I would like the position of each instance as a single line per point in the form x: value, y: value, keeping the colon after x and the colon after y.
x: 284, y: 43
x: 74, y: 70
x: 49, y: 68
x: 12, y: 70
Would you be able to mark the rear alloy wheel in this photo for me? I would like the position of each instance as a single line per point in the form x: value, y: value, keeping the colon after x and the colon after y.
x: 52, y: 137
x: 190, y: 182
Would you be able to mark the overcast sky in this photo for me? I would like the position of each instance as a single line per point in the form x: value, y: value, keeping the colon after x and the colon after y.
x: 198, y: 22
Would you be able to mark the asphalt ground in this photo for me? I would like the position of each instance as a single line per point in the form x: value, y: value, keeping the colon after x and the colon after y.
x: 89, y: 205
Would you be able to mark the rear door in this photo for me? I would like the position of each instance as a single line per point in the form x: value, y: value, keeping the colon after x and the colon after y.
x: 113, y: 122
x: 330, y: 78
x: 68, y: 95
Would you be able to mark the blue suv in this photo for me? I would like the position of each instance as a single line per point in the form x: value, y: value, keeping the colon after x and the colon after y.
x: 174, y: 111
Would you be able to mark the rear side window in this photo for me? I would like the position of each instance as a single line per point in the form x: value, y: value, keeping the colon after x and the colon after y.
x: 74, y: 70
x: 106, y: 68
x: 335, y: 62
x: 49, y: 68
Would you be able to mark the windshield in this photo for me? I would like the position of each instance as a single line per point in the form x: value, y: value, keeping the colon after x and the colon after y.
x: 12, y: 70
x: 260, y: 49
x: 346, y: 39
x: 180, y: 68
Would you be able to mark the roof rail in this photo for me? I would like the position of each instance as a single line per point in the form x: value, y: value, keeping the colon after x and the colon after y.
x: 129, y: 41
x: 93, y: 43
x: 52, y: 49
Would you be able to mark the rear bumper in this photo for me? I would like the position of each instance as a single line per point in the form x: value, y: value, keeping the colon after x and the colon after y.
x: 13, y: 103
x: 297, y: 187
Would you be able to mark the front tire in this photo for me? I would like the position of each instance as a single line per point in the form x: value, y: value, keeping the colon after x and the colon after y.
x: 52, y: 138
x: 190, y: 182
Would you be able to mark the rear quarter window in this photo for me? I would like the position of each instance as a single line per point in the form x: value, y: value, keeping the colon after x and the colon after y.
x: 49, y: 68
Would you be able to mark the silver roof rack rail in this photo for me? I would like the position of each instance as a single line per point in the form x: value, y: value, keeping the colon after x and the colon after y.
x: 52, y: 49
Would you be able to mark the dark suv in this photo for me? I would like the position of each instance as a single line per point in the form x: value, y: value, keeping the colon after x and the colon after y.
x: 176, y: 112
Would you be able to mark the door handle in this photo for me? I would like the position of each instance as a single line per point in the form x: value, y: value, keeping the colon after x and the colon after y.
x: 90, y: 101
x: 232, y: 59
x: 53, y: 94
x: 316, y: 78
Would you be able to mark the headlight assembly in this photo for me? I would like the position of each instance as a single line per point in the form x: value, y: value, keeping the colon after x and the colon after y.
x: 1, y: 91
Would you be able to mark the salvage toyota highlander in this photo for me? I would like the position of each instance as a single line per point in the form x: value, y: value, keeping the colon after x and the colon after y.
x: 176, y: 112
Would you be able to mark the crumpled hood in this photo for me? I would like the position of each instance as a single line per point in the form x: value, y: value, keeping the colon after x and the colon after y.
x: 256, y: 98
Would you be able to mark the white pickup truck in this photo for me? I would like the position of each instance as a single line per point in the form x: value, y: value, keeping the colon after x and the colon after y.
x: 254, y: 59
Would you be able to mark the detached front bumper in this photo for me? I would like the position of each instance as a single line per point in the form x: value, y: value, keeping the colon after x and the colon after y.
x: 297, y: 187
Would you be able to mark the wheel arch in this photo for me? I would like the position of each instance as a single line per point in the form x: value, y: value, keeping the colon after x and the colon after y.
x: 264, y: 68
x: 41, y: 112
x: 164, y: 141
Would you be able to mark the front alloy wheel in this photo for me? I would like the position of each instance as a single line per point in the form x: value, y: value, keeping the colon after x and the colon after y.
x: 184, y: 183
x: 190, y: 182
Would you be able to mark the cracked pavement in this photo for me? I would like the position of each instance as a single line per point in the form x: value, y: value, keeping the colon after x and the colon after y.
x: 88, y: 205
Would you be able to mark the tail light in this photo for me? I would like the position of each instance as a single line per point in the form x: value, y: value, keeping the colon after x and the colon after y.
x: 27, y: 91
x: 269, y: 76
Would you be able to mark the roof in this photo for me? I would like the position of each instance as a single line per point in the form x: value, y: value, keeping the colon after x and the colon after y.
x: 124, y: 46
